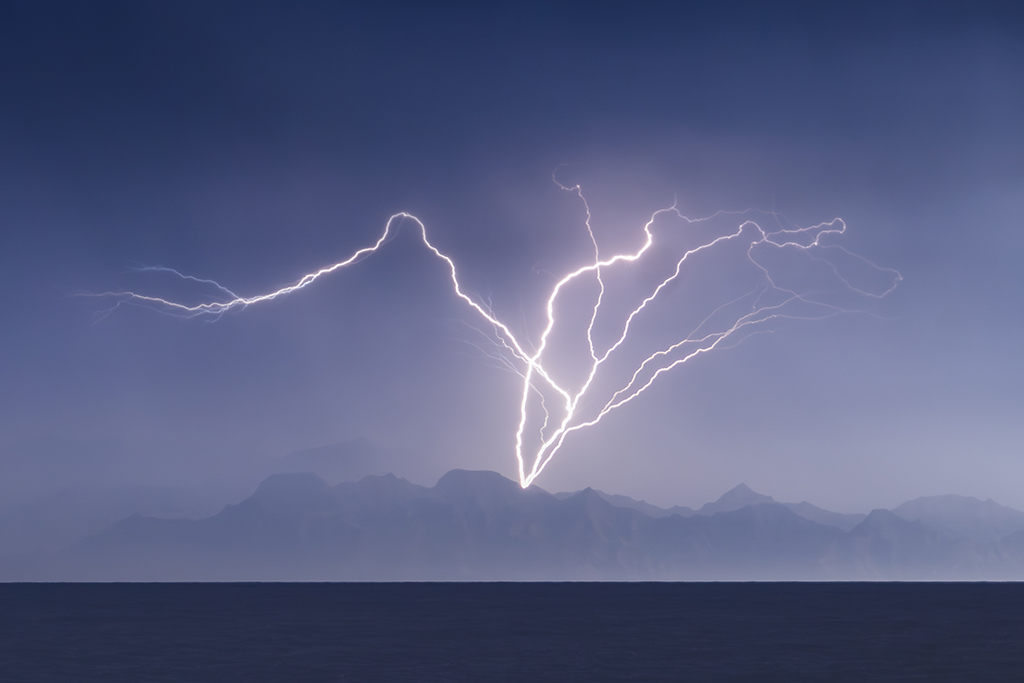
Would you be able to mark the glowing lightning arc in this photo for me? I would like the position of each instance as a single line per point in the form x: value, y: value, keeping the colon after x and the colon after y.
x: 531, y: 368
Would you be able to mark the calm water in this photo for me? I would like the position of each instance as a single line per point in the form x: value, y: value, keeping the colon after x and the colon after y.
x: 511, y: 632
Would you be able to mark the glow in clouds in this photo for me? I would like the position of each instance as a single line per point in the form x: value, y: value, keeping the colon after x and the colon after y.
x: 773, y: 298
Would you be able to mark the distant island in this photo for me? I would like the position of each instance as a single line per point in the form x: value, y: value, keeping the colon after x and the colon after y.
x: 480, y: 526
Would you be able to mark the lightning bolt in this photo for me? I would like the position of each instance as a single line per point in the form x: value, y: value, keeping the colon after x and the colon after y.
x: 768, y: 302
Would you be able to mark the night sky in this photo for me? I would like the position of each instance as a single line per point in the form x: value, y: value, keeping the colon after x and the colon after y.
x: 254, y: 142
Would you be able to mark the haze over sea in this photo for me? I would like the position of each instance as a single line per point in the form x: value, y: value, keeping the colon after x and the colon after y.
x: 512, y: 632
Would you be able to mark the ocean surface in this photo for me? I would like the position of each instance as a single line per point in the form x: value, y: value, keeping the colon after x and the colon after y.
x: 512, y: 632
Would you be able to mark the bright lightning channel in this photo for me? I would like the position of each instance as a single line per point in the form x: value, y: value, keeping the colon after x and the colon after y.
x: 529, y: 365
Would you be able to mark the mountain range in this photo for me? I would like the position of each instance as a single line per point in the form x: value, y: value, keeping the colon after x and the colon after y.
x: 477, y: 525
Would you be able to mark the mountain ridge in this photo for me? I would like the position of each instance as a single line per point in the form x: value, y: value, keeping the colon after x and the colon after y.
x: 478, y: 525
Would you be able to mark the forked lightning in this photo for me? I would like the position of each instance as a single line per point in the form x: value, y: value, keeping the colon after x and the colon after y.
x: 539, y: 379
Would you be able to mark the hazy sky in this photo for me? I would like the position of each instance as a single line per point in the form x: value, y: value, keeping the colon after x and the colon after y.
x: 254, y: 142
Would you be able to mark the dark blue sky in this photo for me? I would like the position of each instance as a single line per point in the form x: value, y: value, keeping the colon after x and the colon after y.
x: 254, y: 142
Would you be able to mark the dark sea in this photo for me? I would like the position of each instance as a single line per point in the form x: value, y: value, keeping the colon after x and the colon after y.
x: 512, y: 632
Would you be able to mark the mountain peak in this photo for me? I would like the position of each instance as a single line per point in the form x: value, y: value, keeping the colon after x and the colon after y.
x: 963, y: 517
x: 478, y: 484
x: 735, y: 498
x: 457, y: 479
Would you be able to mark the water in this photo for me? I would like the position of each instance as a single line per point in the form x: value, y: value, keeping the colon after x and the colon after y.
x: 512, y: 632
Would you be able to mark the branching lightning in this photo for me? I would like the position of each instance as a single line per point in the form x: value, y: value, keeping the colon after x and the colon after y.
x: 748, y: 314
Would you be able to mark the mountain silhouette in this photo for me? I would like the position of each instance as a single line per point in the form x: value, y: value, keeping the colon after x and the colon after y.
x: 475, y: 525
x: 643, y: 506
x: 963, y: 517
x: 735, y: 499
x: 826, y: 517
